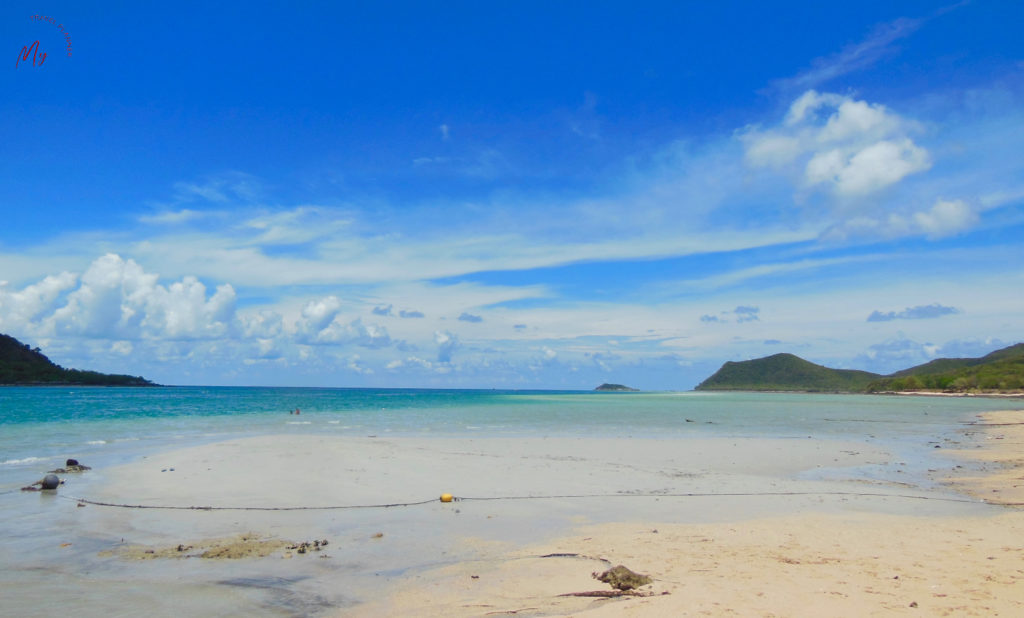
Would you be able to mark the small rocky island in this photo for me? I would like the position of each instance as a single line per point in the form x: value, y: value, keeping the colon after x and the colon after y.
x: 617, y: 388
x: 21, y: 365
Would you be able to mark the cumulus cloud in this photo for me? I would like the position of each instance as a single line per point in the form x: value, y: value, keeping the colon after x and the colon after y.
x: 469, y: 317
x: 316, y: 316
x: 18, y: 309
x: 264, y: 324
x: 946, y: 218
x: 920, y: 312
x: 447, y: 343
x: 117, y: 299
x: 854, y: 148
x: 355, y: 365
x: 321, y: 323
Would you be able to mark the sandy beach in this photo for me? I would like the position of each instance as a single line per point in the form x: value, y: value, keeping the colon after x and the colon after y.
x: 856, y: 563
x: 302, y: 524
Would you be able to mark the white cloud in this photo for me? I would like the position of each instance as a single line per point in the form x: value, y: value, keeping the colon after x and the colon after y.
x: 946, y: 218
x: 355, y: 365
x: 317, y: 315
x: 856, y: 120
x: 264, y: 324
x: 111, y: 301
x: 116, y: 299
x: 852, y: 147
x: 878, y: 166
x: 321, y: 324
x: 20, y: 308
x: 810, y: 102
x: 181, y: 310
x: 775, y: 151
x: 447, y: 343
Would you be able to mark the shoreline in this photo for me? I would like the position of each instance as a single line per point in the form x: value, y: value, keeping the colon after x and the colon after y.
x: 743, y: 524
x: 996, y: 452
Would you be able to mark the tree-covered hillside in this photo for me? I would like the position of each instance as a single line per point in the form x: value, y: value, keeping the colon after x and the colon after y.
x: 21, y: 364
x: 785, y: 372
x: 1000, y: 371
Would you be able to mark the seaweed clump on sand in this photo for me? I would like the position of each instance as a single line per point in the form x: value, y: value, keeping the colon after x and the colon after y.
x: 621, y: 578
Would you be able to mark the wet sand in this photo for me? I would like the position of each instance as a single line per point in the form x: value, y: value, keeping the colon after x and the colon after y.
x: 856, y: 563
x: 724, y: 526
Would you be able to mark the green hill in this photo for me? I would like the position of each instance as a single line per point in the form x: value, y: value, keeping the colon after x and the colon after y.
x: 22, y: 365
x: 1000, y: 371
x: 786, y: 372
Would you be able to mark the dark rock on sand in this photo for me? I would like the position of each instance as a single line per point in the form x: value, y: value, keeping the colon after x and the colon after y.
x: 71, y: 465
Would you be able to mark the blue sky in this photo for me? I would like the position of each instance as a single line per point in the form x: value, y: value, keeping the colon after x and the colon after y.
x: 509, y: 195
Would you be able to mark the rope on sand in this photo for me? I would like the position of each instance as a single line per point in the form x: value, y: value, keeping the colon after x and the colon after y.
x: 247, y: 508
x: 547, y: 497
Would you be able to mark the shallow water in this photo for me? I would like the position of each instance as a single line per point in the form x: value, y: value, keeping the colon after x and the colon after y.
x: 49, y: 546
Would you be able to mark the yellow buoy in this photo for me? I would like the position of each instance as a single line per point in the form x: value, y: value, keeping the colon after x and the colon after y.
x: 446, y: 498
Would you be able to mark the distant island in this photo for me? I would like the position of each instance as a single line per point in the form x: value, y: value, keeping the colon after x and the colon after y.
x: 1001, y: 371
x: 21, y: 365
x: 617, y: 387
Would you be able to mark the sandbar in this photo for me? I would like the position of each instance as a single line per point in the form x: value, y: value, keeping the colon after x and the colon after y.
x: 811, y: 563
x: 724, y: 526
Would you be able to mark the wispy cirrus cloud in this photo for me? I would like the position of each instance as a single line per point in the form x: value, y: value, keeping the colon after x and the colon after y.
x: 877, y: 45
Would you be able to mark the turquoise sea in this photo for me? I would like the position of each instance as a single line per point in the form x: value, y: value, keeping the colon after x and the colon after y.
x: 43, y: 426
x: 101, y: 427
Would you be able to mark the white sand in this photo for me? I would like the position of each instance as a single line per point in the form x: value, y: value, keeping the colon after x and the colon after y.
x: 794, y: 539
